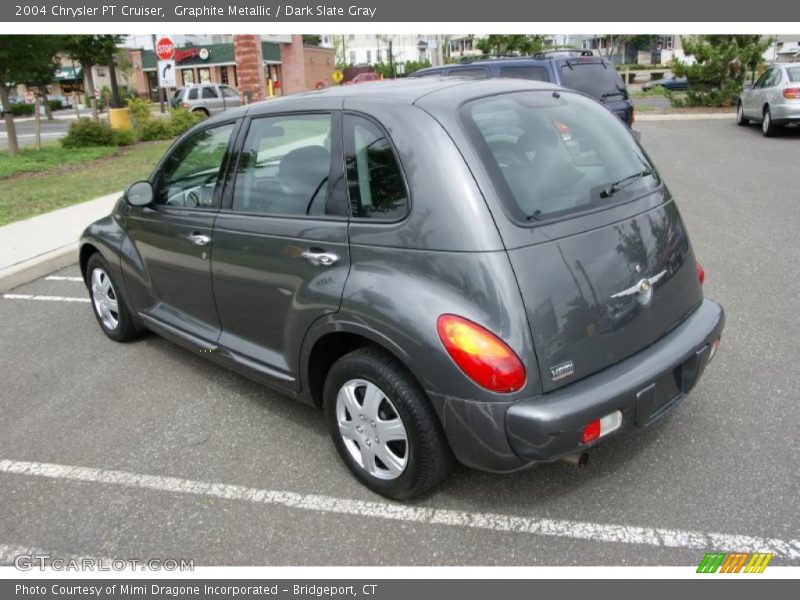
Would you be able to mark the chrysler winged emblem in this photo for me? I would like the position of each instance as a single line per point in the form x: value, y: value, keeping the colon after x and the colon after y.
x: 643, y: 290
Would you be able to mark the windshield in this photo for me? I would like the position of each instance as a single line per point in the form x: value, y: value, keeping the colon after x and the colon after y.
x: 553, y: 153
x: 595, y: 79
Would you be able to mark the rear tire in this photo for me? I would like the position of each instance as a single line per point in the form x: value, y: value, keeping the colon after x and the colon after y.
x: 109, y: 306
x: 768, y: 128
x: 383, y: 425
x: 741, y: 120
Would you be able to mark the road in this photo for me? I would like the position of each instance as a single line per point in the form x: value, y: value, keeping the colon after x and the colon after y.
x: 121, y: 443
x: 51, y: 130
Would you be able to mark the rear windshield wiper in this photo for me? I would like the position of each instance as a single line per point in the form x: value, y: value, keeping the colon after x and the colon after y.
x: 621, y: 184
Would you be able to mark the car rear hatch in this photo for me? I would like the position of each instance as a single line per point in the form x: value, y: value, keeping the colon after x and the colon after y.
x: 599, y: 79
x: 600, y: 252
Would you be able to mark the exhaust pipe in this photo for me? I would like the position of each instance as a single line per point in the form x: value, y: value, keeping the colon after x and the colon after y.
x: 577, y: 460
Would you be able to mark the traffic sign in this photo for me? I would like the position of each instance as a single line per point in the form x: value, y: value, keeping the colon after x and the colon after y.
x: 337, y: 76
x: 166, y: 73
x: 165, y: 49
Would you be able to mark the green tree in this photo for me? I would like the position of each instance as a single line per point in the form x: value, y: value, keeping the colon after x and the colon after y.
x: 312, y: 40
x: 509, y: 45
x: 91, y: 50
x: 719, y: 67
x: 24, y: 59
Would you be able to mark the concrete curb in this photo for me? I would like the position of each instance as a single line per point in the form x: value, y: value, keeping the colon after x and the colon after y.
x: 684, y: 116
x: 36, y: 267
x: 40, y: 245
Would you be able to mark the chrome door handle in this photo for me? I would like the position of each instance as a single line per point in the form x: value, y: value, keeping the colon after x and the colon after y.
x: 320, y: 259
x: 198, y: 239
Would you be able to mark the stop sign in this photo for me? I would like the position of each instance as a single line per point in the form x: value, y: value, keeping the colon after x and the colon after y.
x: 165, y: 49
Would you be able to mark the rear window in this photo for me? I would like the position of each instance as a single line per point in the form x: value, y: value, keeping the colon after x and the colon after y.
x: 794, y: 73
x: 595, y: 79
x: 533, y: 73
x: 550, y: 154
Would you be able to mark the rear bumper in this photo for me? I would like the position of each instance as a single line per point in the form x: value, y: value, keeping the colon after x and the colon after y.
x: 786, y: 113
x: 643, y: 388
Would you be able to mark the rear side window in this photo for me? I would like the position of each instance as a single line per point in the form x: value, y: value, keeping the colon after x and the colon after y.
x: 551, y: 154
x: 595, y: 79
x: 209, y: 92
x: 374, y: 179
x: 532, y: 73
x: 793, y: 73
x: 229, y: 93
x: 477, y: 73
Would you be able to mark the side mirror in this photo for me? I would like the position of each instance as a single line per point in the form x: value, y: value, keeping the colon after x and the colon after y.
x: 139, y: 193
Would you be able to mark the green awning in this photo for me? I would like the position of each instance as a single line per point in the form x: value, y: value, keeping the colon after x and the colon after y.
x: 68, y: 74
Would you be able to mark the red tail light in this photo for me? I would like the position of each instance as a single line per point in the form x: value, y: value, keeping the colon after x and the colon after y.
x: 791, y: 93
x: 591, y: 432
x: 701, y: 272
x: 481, y: 355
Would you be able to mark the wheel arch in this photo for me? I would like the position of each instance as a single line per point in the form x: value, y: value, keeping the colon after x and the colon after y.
x: 328, y: 341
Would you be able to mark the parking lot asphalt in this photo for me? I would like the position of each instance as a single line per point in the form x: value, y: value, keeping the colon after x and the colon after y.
x: 119, y: 443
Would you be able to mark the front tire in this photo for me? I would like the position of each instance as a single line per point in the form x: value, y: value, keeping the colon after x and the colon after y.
x: 383, y: 425
x: 768, y: 128
x: 110, y: 307
x: 741, y: 120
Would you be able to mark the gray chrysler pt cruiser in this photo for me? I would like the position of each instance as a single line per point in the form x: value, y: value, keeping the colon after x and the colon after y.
x: 490, y: 271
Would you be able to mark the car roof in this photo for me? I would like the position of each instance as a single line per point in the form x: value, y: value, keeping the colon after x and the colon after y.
x: 513, y: 61
x: 409, y: 91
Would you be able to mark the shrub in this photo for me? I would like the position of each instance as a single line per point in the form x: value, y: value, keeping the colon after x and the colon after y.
x: 54, y: 104
x: 22, y: 110
x: 124, y: 137
x: 85, y: 132
x: 140, y: 110
x: 181, y: 120
x: 155, y: 129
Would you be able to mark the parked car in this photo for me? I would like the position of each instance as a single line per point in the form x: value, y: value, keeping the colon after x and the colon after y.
x: 206, y: 98
x: 773, y: 100
x: 668, y: 82
x: 540, y: 298
x: 364, y: 78
x: 577, y: 70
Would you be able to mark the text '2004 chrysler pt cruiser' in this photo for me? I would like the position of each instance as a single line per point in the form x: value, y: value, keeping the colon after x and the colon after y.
x: 484, y: 271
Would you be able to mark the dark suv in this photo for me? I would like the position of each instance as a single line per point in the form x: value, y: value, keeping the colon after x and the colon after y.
x: 487, y: 270
x: 577, y: 70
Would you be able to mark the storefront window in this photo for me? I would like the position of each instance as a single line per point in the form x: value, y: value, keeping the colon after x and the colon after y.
x: 188, y: 76
x: 223, y: 75
x: 205, y: 75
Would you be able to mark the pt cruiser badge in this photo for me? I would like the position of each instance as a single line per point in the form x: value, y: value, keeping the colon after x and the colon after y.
x: 643, y: 289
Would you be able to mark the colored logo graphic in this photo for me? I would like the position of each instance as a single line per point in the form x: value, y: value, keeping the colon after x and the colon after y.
x: 734, y: 562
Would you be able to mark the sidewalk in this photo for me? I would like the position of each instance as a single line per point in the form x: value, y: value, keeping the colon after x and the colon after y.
x: 42, y: 244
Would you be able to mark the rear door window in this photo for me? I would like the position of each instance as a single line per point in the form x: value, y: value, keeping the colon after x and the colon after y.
x: 598, y: 80
x: 284, y: 166
x: 793, y: 73
x: 552, y: 154
x: 532, y: 73
x: 193, y: 94
x: 209, y: 92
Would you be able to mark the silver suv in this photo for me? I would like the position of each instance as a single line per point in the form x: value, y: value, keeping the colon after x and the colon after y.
x: 773, y: 100
x: 207, y: 98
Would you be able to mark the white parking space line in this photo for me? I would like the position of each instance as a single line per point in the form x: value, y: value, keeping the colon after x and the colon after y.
x: 63, y: 278
x: 46, y: 298
x: 597, y: 532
